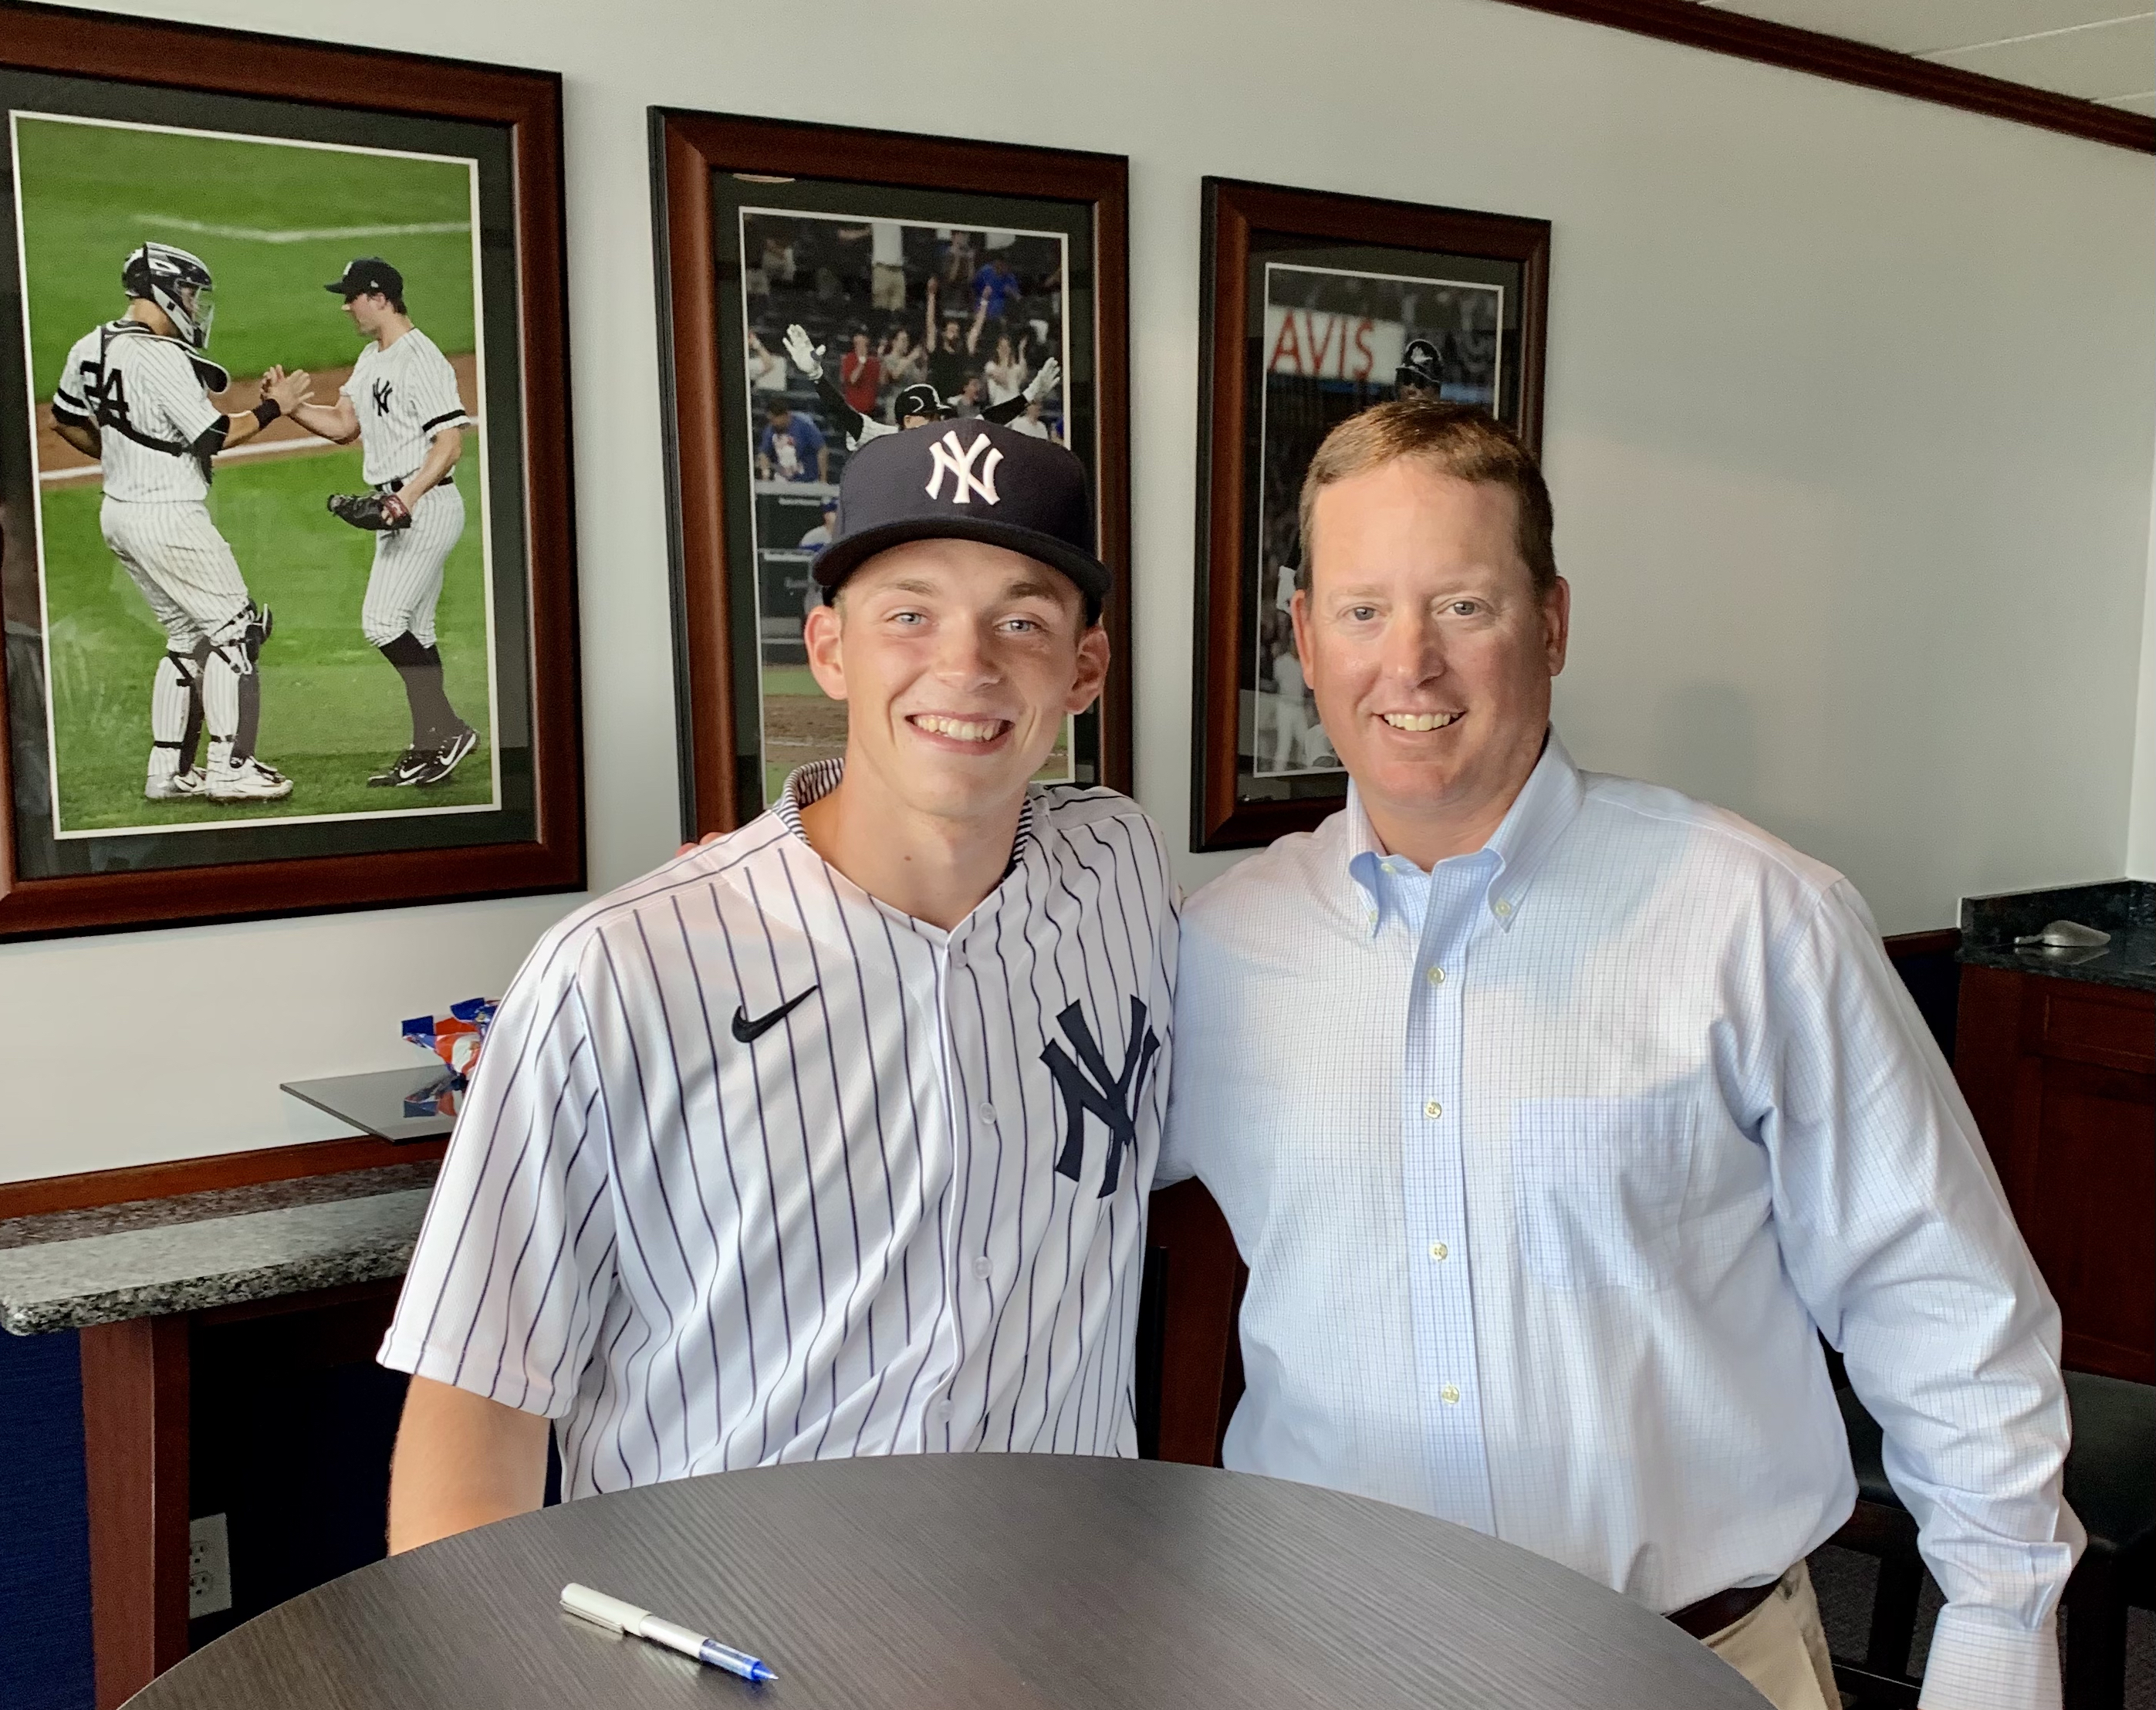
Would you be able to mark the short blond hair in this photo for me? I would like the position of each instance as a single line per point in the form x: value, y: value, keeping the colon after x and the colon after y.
x: 1456, y: 439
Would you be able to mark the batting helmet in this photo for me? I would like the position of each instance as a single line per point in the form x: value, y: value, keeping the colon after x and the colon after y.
x: 918, y: 399
x: 177, y: 283
x: 1421, y: 365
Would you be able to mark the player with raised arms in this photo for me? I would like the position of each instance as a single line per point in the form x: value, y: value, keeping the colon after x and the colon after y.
x: 134, y: 394
x: 891, y: 1198
x: 914, y: 406
x: 402, y: 404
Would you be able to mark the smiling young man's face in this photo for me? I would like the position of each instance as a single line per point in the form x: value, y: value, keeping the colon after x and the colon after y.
x: 958, y: 662
x: 1428, y: 650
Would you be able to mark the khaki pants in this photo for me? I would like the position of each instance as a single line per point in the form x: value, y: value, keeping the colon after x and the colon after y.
x: 1780, y: 1648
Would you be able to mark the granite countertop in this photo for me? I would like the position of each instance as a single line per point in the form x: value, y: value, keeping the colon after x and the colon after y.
x: 2125, y: 908
x: 68, y: 1269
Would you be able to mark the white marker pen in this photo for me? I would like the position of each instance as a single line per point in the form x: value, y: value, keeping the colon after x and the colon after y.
x: 597, y: 1608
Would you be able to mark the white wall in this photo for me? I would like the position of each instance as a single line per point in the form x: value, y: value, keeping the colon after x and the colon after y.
x: 2141, y: 821
x: 1850, y: 428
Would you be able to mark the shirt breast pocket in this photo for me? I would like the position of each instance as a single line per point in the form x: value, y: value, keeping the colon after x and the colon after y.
x: 1600, y: 1188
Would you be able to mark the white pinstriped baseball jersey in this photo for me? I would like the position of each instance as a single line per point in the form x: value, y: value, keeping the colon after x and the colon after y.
x: 1603, y: 1119
x: 757, y: 1169
x: 404, y: 395
x: 150, y: 407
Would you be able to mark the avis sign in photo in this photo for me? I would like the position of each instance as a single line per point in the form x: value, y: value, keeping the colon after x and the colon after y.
x: 257, y: 387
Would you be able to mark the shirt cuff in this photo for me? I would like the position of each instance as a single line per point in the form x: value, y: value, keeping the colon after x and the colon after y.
x: 1982, y: 1661
x: 527, y: 1392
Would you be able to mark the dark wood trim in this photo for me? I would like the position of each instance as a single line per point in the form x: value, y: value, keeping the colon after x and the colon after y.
x: 687, y: 147
x: 689, y: 365
x: 1942, y: 941
x: 1231, y: 210
x: 1844, y: 61
x: 1202, y: 1284
x: 200, y: 1175
x: 529, y: 104
x: 135, y: 1396
x: 1988, y: 1060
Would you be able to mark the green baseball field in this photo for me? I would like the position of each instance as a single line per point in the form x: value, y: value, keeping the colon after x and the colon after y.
x: 273, y: 223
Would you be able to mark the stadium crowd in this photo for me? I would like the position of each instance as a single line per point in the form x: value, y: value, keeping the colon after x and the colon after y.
x: 973, y: 313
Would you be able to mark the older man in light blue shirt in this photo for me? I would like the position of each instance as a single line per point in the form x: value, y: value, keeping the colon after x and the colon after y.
x: 1552, y: 1113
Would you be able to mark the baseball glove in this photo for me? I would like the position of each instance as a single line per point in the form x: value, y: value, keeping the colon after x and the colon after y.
x: 371, y: 510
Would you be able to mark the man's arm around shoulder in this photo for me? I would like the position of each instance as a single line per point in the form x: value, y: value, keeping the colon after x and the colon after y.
x: 461, y: 1461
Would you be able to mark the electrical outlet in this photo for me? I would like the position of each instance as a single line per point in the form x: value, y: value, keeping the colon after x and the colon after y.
x: 209, y: 1567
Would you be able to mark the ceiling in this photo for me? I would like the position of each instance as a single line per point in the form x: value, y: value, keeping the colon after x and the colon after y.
x: 2099, y: 50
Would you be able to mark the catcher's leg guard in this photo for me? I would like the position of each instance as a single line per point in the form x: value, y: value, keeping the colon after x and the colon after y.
x: 171, y: 695
x: 231, y: 687
x: 191, y: 735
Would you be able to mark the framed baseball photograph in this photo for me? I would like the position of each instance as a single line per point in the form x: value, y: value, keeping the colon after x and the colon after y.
x: 1315, y: 307
x: 282, y: 436
x: 821, y: 287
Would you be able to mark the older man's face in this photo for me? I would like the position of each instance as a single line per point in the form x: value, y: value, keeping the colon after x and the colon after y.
x: 1428, y: 650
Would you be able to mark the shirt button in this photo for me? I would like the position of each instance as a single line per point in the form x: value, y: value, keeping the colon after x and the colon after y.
x: 1449, y: 1396
x: 1437, y: 976
x: 987, y: 1111
x: 1433, y: 1109
x: 1390, y: 868
x: 943, y: 1412
x: 1373, y: 916
x: 980, y: 1268
x: 1503, y: 908
x: 1439, y: 1252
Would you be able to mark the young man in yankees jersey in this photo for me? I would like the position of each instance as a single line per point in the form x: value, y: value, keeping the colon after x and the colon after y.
x: 135, y: 395
x: 402, y: 404
x: 833, y: 1136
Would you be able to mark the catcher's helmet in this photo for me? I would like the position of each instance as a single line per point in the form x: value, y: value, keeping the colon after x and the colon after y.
x: 177, y: 283
x: 918, y: 399
x: 1421, y: 365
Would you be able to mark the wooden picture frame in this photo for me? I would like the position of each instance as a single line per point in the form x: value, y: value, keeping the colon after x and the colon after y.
x: 513, y: 822
x: 1365, y: 276
x: 829, y: 173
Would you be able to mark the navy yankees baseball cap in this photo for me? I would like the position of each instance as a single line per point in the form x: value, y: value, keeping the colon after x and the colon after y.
x: 368, y: 273
x: 969, y: 480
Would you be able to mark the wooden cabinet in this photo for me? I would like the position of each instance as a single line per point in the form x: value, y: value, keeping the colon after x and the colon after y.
x: 2062, y: 1076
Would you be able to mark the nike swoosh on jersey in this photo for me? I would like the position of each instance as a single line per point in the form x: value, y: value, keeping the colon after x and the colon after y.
x: 749, y: 1032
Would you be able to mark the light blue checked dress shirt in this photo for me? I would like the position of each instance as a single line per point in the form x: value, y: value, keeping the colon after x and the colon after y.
x: 1547, y: 1163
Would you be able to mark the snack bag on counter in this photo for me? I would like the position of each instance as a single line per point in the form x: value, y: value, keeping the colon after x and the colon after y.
x: 456, y: 1037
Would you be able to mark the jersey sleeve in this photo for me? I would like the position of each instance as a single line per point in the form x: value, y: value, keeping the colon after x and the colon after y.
x: 174, y: 393
x: 69, y: 404
x: 511, y: 1276
x: 435, y: 397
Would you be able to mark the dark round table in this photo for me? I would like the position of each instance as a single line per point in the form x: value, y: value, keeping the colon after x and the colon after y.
x: 956, y: 1581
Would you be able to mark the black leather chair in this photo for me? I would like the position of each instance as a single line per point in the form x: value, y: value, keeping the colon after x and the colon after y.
x: 2111, y: 1485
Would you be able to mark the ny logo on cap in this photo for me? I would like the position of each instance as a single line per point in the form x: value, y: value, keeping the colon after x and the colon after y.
x: 957, y: 461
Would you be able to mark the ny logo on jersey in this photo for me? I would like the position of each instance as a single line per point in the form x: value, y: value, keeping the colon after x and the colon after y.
x: 1087, y: 1086
x: 380, y: 392
x: 957, y: 461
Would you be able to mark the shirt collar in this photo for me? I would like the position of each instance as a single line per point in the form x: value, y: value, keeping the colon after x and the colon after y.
x: 811, y: 782
x: 1522, y: 843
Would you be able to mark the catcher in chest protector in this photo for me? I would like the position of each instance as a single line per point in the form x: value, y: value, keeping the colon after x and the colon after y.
x: 402, y: 404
